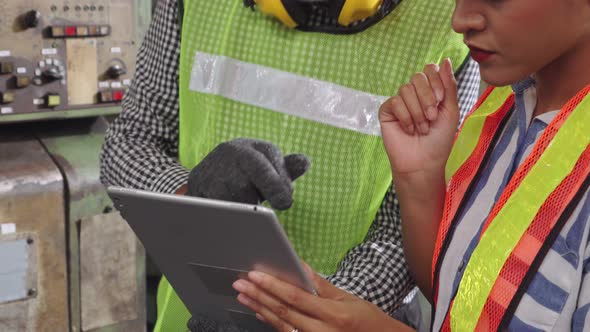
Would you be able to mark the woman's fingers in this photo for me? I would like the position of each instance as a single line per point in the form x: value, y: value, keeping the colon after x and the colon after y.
x: 417, y: 103
x: 426, y: 95
x: 394, y: 110
x: 432, y: 73
x: 410, y: 98
x: 273, y: 311
x: 320, y: 307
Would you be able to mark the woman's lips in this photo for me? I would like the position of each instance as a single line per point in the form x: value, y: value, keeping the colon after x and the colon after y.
x: 480, y: 55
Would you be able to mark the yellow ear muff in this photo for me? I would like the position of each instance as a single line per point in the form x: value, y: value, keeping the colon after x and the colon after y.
x: 276, y: 9
x: 356, y: 10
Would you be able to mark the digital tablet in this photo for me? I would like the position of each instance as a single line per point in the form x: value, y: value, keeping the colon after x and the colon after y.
x: 202, y: 246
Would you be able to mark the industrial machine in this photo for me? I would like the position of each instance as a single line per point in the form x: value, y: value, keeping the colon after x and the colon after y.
x: 68, y: 262
x: 66, y: 58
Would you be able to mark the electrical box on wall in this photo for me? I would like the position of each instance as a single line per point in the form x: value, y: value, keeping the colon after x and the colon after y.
x: 67, y: 58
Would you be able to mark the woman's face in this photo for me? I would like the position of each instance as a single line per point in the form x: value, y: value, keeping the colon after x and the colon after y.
x: 512, y: 39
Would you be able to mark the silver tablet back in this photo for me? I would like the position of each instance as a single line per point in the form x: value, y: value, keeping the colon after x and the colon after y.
x: 202, y: 246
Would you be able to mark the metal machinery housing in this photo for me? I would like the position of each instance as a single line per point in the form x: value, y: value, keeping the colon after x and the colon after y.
x: 68, y: 262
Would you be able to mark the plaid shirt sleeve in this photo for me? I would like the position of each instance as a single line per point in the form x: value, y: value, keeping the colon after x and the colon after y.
x: 376, y: 269
x: 141, y: 150
x: 141, y: 146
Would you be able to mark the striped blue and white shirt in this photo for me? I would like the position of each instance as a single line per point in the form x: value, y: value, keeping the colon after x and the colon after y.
x: 558, y: 298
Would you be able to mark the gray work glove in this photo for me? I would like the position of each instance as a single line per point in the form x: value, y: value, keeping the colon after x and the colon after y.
x: 204, y: 324
x: 247, y: 171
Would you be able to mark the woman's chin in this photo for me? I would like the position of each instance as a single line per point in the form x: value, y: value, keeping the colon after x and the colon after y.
x: 499, y: 77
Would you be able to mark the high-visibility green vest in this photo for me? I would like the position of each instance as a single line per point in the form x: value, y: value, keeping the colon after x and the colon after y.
x: 245, y: 75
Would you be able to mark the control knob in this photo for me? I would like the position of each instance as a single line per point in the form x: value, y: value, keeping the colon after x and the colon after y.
x: 31, y: 19
x: 52, y: 74
x: 116, y: 71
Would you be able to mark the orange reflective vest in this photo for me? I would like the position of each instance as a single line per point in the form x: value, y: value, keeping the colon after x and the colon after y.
x: 536, y: 203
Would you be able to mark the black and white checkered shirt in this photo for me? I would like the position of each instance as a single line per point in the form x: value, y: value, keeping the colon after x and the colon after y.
x: 141, y: 150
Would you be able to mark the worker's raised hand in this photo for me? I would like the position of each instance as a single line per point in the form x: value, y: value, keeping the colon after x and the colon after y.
x: 248, y: 171
x: 419, y: 123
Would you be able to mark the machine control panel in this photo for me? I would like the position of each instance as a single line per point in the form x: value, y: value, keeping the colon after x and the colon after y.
x: 67, y: 56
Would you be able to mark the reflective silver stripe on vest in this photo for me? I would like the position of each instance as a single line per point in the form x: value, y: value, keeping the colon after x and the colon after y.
x: 287, y: 93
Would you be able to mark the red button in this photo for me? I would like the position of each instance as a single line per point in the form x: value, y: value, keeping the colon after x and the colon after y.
x: 117, y: 95
x: 70, y: 31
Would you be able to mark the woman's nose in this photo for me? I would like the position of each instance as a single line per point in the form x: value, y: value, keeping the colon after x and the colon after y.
x: 467, y: 17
